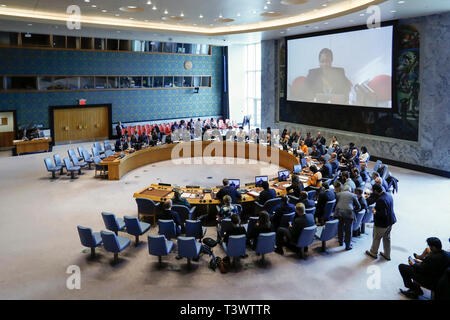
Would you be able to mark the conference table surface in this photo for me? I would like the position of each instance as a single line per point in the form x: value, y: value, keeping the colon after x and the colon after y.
x: 123, y: 162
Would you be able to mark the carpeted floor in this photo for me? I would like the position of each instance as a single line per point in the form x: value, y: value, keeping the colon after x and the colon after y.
x: 39, y: 240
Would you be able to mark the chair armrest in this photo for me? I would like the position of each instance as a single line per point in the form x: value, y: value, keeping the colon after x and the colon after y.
x: 259, y: 205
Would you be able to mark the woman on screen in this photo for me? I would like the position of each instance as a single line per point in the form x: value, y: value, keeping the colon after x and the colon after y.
x: 326, y: 84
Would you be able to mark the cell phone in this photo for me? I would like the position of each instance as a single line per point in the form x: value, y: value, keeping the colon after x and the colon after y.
x: 410, y: 259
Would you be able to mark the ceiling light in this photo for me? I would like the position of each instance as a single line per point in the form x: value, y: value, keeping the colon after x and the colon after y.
x: 266, y: 7
x: 131, y: 18
x: 182, y: 14
x: 94, y: 6
x: 254, y: 11
x: 361, y: 14
x: 324, y: 5
x: 401, y: 2
x: 325, y: 23
x: 166, y: 12
x: 268, y: 2
x: 154, y: 8
x: 87, y: 0
x: 194, y: 24
x: 117, y: 14
x: 149, y: 2
x: 104, y: 10
x: 393, y: 11
x: 131, y: 7
x: 200, y: 16
x: 30, y: 24
x: 220, y: 16
x: 281, y: 32
x: 238, y: 15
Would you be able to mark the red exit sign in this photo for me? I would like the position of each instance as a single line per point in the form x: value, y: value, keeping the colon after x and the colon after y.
x: 82, y: 102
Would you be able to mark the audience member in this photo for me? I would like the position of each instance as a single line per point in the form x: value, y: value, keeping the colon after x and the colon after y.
x: 325, y: 195
x: 236, y: 230
x: 315, y: 180
x: 326, y: 170
x: 178, y: 200
x: 168, y: 214
x: 296, y: 186
x: 263, y: 225
x: 227, y: 209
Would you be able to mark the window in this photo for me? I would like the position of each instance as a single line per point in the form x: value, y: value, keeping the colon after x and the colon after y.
x: 253, y: 82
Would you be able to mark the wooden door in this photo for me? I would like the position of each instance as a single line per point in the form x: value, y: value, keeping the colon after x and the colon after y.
x: 74, y: 124
x: 7, y: 129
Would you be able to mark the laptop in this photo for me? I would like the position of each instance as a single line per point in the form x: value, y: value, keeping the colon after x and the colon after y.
x: 259, y: 180
x: 283, y: 175
x: 235, y: 183
x: 297, y: 168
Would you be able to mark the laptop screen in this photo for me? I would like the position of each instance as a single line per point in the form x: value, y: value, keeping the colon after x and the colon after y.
x: 283, y: 175
x: 235, y: 183
x: 259, y: 180
x: 297, y: 168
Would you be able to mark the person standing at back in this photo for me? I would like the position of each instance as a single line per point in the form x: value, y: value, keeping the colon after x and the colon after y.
x: 346, y: 205
x: 384, y: 218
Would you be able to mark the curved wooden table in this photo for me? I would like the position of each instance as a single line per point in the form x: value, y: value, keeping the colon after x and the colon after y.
x: 118, y: 167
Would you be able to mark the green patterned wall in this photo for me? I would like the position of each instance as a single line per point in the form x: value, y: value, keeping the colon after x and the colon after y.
x: 127, y: 105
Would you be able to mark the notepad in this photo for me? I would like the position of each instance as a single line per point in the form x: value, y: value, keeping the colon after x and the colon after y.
x: 253, y: 193
x: 186, y: 195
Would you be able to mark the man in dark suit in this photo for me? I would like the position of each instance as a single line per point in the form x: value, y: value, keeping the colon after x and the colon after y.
x: 325, y: 195
x: 320, y: 139
x: 230, y: 191
x: 168, y: 214
x: 143, y: 138
x: 236, y: 230
x: 119, y: 144
x: 346, y: 206
x: 286, y: 235
x: 362, y: 206
x: 384, y: 218
x: 427, y: 273
x: 284, y: 208
x: 326, y: 80
x: 334, y: 162
x: 266, y: 194
x: 326, y: 170
x: 119, y: 128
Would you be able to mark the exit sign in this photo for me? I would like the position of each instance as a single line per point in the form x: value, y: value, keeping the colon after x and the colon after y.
x: 82, y: 102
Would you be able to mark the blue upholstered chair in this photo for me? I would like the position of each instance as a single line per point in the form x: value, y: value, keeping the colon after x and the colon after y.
x: 306, y: 238
x: 223, y: 227
x: 368, y: 218
x: 51, y: 167
x: 135, y: 228
x: 235, y: 247
x: 114, y: 243
x: 311, y: 194
x: 87, y: 157
x: 99, y: 167
x: 265, y: 244
x: 112, y: 223
x: 311, y: 210
x: 251, y: 226
x: 71, y: 168
x: 80, y: 152
x: 357, y: 222
x: 108, y: 153
x: 96, y: 153
x: 89, y: 239
x: 328, y: 209
x: 99, y: 147
x: 72, y: 154
x: 269, y: 206
x: 327, y: 232
x: 108, y: 146
x: 188, y: 248
x: 77, y: 163
x: 195, y: 229
x: 147, y: 207
x: 184, y: 212
x: 286, y: 218
x: 58, y: 161
x: 167, y: 228
x: 159, y: 246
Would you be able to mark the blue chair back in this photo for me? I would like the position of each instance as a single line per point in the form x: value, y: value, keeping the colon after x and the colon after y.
x: 311, y: 194
x: 145, y: 206
x: 58, y: 161
x: 358, y: 219
x: 225, y: 225
x: 327, y: 157
x: 187, y: 247
x: 183, y: 212
x: 68, y: 164
x: 110, y: 241
x: 167, y: 228
x: 97, y: 160
x: 133, y: 226
x: 108, y: 153
x: 328, y: 209
x: 110, y: 221
x: 236, y: 245
x: 75, y: 161
x: 72, y: 153
x: 251, y: 225
x: 266, y: 243
x: 107, y: 145
x: 368, y: 216
x: 286, y: 218
x: 330, y: 230
x: 98, y: 146
x: 311, y: 210
x: 303, y: 162
x: 86, y: 237
x: 377, y: 165
x: 80, y: 151
x: 95, y: 152
x: 157, y: 245
x: 306, y: 237
x: 86, y: 156
x: 271, y: 204
x: 194, y: 229
x: 49, y: 164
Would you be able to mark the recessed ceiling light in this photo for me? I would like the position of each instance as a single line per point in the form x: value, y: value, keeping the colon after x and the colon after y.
x: 268, y: 2
x: 401, y: 2
x: 350, y: 20
x: 220, y: 16
x: 87, y: 0
x: 200, y: 16
x: 131, y: 7
x: 194, y: 24
x: 238, y: 15
x: 30, y: 24
x: 117, y: 14
x: 266, y: 7
x: 325, y: 22
x: 182, y: 14
x: 324, y: 5
x: 104, y: 10
x: 166, y: 12
x: 281, y: 32
x: 149, y: 2
x: 361, y: 14
x: 254, y: 11
x: 393, y: 11
x: 154, y: 8
x: 94, y: 6
x: 131, y: 18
